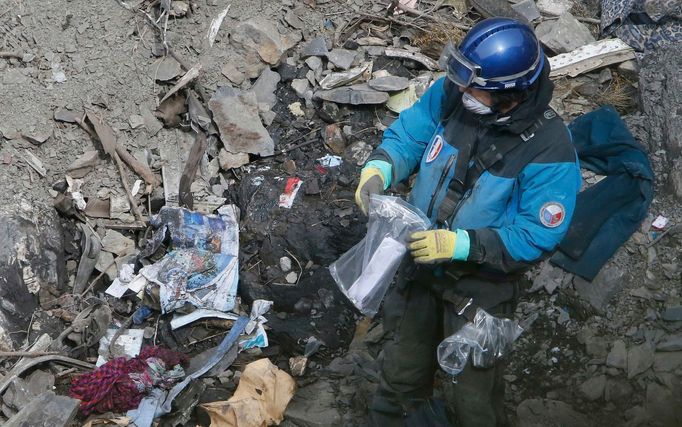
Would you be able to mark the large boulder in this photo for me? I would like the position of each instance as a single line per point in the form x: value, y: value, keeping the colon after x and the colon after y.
x: 31, y: 260
x: 660, y: 84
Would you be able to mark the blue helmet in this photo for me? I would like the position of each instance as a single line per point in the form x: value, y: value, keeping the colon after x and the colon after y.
x: 496, y: 54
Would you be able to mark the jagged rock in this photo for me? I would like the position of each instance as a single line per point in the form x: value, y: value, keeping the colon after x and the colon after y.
x: 617, y: 390
x: 31, y: 260
x: 599, y: 292
x: 330, y: 112
x: 545, y: 413
x: 232, y: 73
x: 666, y: 362
x: 293, y: 20
x: 596, y: 347
x: 389, y: 83
x: 355, y: 95
x: 564, y: 34
x: 316, y: 47
x: 314, y: 406
x: 670, y: 343
x: 593, y: 388
x: 640, y: 358
x: 231, y: 160
x: 618, y: 356
x: 258, y: 38
x: 46, y: 410
x: 342, y: 58
x: 554, y: 7
x: 334, y: 140
x: 265, y: 87
x: 167, y: 69
x: 314, y: 63
x: 664, y: 404
x: 300, y: 86
x: 660, y: 84
x: 672, y: 314
x: 236, y: 114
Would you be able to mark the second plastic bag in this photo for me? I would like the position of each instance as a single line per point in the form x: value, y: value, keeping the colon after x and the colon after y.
x: 365, y: 272
x: 486, y: 339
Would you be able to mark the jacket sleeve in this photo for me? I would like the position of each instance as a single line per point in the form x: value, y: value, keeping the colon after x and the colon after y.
x: 546, y: 201
x: 406, y: 139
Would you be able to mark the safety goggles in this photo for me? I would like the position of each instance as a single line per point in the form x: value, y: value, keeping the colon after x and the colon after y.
x: 459, y: 69
x: 463, y: 72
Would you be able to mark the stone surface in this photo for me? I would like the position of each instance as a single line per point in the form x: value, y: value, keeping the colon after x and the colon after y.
x: 314, y: 63
x: 599, y: 292
x: 231, y: 160
x: 232, y: 73
x: 334, y: 140
x: 546, y: 413
x: 667, y: 361
x: 389, y: 83
x: 264, y: 88
x: 596, y: 347
x: 342, y: 58
x: 616, y: 390
x: 670, y: 343
x: 300, y: 86
x: 554, y: 7
x: 314, y: 406
x: 316, y: 47
x: 593, y: 388
x: 260, y: 36
x: 618, y: 356
x: 236, y: 114
x: 672, y: 314
x: 360, y: 94
x: 47, y: 409
x: 330, y: 112
x: 166, y: 69
x: 564, y: 34
x: 640, y: 358
x: 660, y: 85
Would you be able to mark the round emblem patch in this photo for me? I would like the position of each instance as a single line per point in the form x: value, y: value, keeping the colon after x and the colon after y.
x: 552, y: 214
x: 435, y: 149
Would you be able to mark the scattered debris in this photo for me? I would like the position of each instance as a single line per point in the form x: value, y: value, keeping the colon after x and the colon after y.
x: 286, y: 199
x: 590, y: 57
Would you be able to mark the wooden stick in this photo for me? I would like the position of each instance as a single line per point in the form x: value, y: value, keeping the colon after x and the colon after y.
x: 26, y: 353
x: 195, y: 154
x: 131, y: 199
x: 16, y: 55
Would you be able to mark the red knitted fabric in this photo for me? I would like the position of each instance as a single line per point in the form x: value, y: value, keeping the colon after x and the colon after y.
x: 110, y: 387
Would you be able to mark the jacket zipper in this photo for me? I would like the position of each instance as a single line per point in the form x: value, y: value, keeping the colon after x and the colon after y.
x: 446, y: 170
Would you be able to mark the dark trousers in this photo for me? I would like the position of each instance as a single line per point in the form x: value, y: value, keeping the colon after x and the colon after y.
x: 416, y: 320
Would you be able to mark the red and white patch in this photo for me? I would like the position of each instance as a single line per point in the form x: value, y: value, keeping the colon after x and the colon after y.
x: 552, y: 214
x: 435, y: 149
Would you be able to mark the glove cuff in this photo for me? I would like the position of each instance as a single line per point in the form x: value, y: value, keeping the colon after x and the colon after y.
x: 384, y: 168
x: 462, y: 246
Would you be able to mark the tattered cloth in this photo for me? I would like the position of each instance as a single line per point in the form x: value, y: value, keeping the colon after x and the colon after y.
x: 121, y: 383
x: 643, y: 24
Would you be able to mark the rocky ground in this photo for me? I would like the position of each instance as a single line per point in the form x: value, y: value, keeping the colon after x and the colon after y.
x: 277, y: 83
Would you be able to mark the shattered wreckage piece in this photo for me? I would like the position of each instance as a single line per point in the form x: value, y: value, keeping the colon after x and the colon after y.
x: 286, y: 199
x: 202, y: 268
x: 355, y: 95
x: 334, y: 80
x: 236, y: 114
x: 590, y: 57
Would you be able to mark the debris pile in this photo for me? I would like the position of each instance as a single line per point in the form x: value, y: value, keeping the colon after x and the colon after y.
x: 198, y: 197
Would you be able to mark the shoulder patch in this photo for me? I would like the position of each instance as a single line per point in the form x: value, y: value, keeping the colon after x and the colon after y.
x: 552, y: 214
x: 549, y: 114
x: 435, y: 149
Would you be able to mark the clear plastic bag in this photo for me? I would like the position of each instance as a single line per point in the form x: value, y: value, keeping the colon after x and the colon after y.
x: 365, y: 272
x: 486, y: 339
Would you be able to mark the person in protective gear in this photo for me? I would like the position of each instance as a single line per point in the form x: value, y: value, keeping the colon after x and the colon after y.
x: 497, y: 175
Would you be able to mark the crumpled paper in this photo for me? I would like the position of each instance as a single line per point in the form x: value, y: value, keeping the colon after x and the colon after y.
x: 260, y: 400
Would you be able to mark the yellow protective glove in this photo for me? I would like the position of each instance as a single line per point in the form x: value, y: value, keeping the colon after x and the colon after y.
x: 432, y: 246
x: 371, y: 182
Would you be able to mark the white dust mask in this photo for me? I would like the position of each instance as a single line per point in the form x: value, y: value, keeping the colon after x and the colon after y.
x: 474, y: 105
